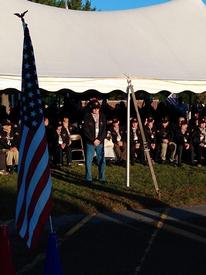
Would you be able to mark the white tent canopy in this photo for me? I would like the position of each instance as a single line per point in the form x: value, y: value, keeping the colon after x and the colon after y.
x: 161, y: 47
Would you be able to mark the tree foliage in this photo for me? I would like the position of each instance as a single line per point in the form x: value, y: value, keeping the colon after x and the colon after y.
x: 72, y: 4
x: 87, y: 6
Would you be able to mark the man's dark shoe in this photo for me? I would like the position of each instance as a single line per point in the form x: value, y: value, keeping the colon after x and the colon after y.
x: 59, y: 166
x: 124, y: 163
x: 10, y: 169
x: 102, y: 181
x: 88, y: 182
x: 15, y: 168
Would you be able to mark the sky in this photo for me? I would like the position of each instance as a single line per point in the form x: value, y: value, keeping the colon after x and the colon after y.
x: 125, y: 4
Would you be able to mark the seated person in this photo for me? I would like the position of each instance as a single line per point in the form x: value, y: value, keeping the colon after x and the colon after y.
x: 70, y: 129
x: 109, y: 148
x: 60, y: 145
x: 151, y: 137
x: 199, y: 141
x: 66, y: 131
x: 184, y: 144
x: 3, y: 163
x: 9, y: 139
x: 119, y: 138
x: 165, y: 139
x: 136, y: 148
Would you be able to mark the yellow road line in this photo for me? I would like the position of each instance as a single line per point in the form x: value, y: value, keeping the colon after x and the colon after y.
x: 76, y: 228
x: 159, y: 224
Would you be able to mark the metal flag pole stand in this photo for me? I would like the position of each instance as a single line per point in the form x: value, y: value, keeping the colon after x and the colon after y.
x: 146, y: 149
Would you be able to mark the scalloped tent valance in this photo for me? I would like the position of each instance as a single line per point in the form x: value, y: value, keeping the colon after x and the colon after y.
x: 160, y: 47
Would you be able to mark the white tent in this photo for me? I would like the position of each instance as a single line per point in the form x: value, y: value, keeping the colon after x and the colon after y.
x: 161, y: 47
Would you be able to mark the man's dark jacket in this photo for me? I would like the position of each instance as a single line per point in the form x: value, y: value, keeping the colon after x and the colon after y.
x: 89, y: 128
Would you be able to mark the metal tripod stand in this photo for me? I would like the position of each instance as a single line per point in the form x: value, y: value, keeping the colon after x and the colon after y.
x: 130, y: 89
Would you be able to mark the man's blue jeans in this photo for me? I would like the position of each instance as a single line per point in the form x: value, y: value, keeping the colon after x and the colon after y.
x: 90, y: 149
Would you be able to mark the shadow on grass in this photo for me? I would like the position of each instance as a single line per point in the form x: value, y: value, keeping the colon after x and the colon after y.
x: 144, y: 200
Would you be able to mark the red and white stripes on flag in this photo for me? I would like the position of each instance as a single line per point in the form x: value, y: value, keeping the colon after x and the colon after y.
x: 34, y: 180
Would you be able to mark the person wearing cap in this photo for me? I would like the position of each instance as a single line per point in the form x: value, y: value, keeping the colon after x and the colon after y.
x: 151, y: 137
x: 60, y: 144
x: 94, y: 132
x: 119, y: 139
x: 135, y: 139
x: 165, y: 140
x: 184, y: 144
x: 199, y: 141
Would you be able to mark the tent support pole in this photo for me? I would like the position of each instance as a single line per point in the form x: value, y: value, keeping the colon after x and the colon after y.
x: 128, y: 137
x: 146, y: 149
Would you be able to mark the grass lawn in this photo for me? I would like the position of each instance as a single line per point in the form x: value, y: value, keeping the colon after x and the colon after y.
x: 179, y: 186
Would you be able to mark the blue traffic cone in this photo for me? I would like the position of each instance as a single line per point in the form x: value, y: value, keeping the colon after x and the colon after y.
x: 52, y: 264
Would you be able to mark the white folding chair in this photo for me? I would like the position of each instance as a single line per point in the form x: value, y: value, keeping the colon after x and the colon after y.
x: 77, y: 148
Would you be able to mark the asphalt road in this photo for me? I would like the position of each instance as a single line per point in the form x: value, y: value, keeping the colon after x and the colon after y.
x: 135, y: 242
x: 158, y: 242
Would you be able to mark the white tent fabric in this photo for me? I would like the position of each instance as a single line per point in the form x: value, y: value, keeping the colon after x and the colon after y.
x: 161, y: 47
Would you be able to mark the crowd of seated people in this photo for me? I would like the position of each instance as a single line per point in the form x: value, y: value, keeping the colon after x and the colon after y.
x: 171, y: 136
x: 166, y: 145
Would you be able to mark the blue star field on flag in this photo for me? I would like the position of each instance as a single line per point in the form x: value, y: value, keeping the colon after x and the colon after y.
x: 31, y: 111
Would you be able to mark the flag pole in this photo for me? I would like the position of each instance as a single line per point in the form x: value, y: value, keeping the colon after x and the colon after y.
x: 51, y: 224
x: 128, y: 138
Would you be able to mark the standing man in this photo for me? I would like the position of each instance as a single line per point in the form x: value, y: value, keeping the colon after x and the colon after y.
x: 94, y: 131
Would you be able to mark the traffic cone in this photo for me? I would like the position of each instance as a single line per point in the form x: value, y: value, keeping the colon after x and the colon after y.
x: 6, y: 262
x: 52, y: 264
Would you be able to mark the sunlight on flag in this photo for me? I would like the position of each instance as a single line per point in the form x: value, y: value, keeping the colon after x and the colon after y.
x: 34, y: 180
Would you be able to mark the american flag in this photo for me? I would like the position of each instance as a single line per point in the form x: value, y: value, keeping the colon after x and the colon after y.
x: 172, y: 99
x: 34, y: 180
